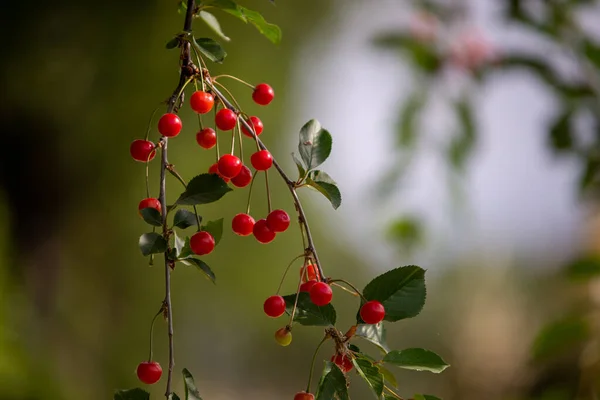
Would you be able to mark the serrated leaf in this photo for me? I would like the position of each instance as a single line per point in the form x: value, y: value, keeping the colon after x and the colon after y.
x: 201, y: 265
x: 370, y: 373
x: 152, y: 243
x: 151, y: 216
x: 333, y: 384
x: 560, y: 337
x: 374, y: 334
x: 191, y: 392
x: 314, y: 145
x: 584, y: 268
x: 213, y: 23
x: 300, y: 166
x: 184, y: 219
x: 215, y: 228
x: 309, y: 314
x: 323, y: 183
x: 416, y: 359
x: 211, y: 49
x: 203, y: 189
x: 401, y: 291
x: 173, y: 43
x: 131, y: 394
x: 425, y: 397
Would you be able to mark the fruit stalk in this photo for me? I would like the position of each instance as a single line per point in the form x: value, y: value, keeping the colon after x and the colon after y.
x: 175, y: 97
x: 290, y: 183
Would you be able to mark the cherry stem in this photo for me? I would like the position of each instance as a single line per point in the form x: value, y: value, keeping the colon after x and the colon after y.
x: 184, y: 79
x: 239, y: 131
x: 162, y: 309
x: 356, y: 291
x: 230, y: 95
x: 392, y: 392
x: 217, y: 133
x: 250, y: 192
x: 286, y: 271
x: 171, y: 169
x: 150, y: 121
x: 234, y: 78
x: 200, y: 124
x: 290, y: 183
x: 352, y: 292
x: 314, y: 359
x: 268, y: 192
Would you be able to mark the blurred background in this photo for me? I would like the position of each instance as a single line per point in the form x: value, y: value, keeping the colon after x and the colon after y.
x: 466, y: 141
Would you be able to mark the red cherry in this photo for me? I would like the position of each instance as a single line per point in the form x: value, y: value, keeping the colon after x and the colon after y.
x: 261, y: 231
x: 304, y: 396
x: 309, y: 273
x: 242, y: 224
x: 372, y: 312
x: 225, y: 119
x: 320, y: 294
x: 274, y: 306
x: 243, y: 178
x: 263, y: 94
x: 342, y: 361
x: 202, y: 102
x: 206, y: 138
x: 306, y: 286
x: 214, y: 169
x: 149, y: 203
x: 278, y: 220
x: 261, y: 160
x: 169, y: 125
x: 142, y: 150
x: 256, y: 124
x: 202, y: 243
x: 229, y: 165
x: 149, y: 372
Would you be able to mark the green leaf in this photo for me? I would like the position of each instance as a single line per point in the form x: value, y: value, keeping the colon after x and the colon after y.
x: 370, y: 373
x: 407, y: 232
x: 309, y: 314
x: 416, y: 359
x: 425, y: 397
x: 184, y: 219
x: 211, y: 49
x: 203, y: 189
x: 215, y: 228
x: 131, y: 394
x: 300, y: 166
x: 333, y: 384
x: 213, y: 23
x: 201, y: 265
x: 388, y: 376
x: 560, y: 337
x: 592, y: 52
x: 151, y: 216
x: 173, y: 396
x: 462, y: 145
x: 182, y: 248
x: 401, y: 291
x: 561, y: 134
x: 374, y: 334
x: 315, y: 144
x: 173, y: 43
x: 584, y: 268
x: 152, y: 243
x: 323, y: 183
x: 407, y: 124
x: 191, y: 392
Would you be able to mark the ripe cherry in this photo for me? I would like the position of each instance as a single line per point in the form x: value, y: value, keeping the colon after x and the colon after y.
x: 142, y: 150
x: 202, y: 102
x: 243, y: 178
x: 261, y: 231
x: 256, y: 124
x: 229, y: 165
x: 202, y: 243
x: 342, y: 361
x: 274, y: 306
x: 278, y: 220
x: 320, y: 294
x: 304, y: 396
x: 309, y: 273
x: 149, y: 372
x: 261, y: 160
x: 225, y: 119
x: 306, y: 286
x: 206, y: 138
x: 214, y: 169
x: 150, y: 202
x: 283, y: 336
x: 242, y: 224
x: 263, y: 94
x: 169, y: 125
x: 372, y: 312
